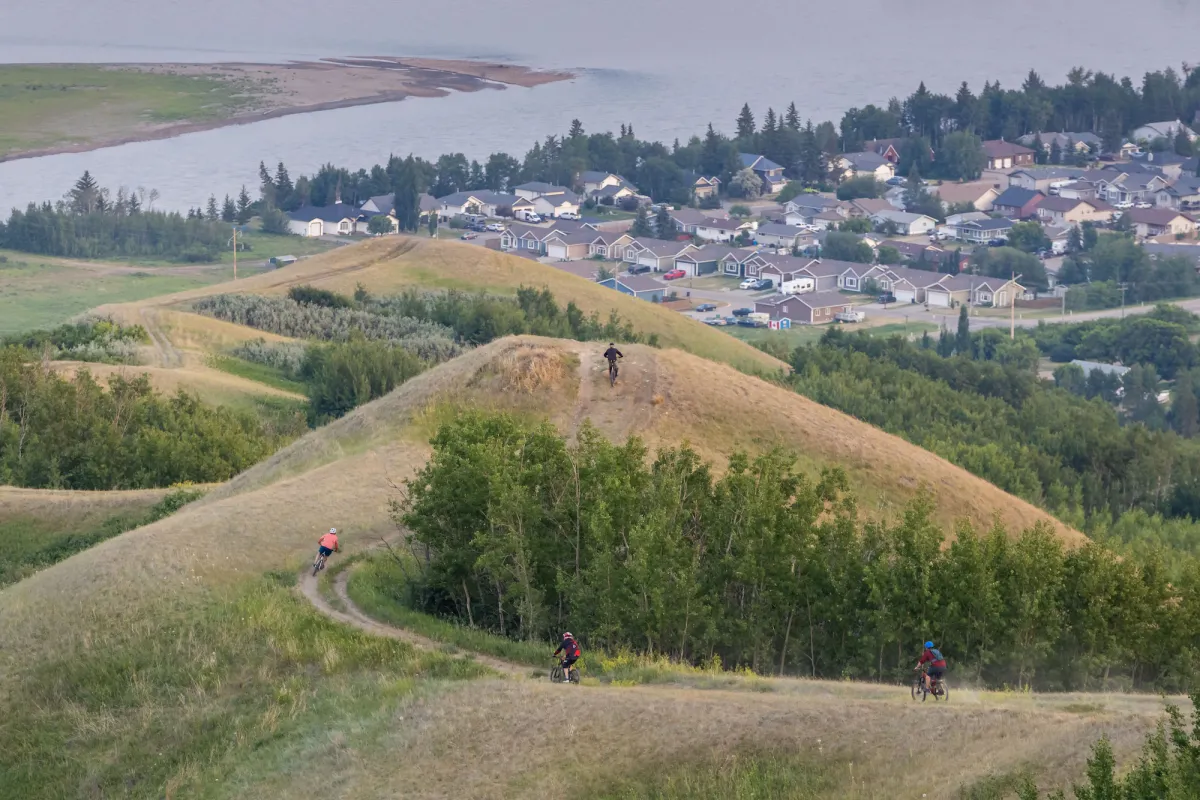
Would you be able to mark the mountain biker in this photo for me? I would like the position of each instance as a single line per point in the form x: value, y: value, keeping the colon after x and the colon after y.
x: 570, y: 650
x: 612, y: 354
x: 937, y: 664
x: 327, y: 545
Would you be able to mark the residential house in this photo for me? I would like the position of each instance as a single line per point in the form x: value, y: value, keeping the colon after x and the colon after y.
x: 686, y: 219
x: 822, y: 221
x: 639, y: 286
x: 1080, y: 143
x: 1161, y: 130
x: 858, y: 165
x: 1169, y: 164
x: 592, y: 181
x: 1089, y: 367
x: 519, y: 237
x: 1003, y: 155
x: 657, y: 254
x: 570, y: 246
x: 916, y: 251
x: 954, y: 220
x: 984, y: 231
x: 546, y: 199
x: 1182, y: 194
x: 811, y: 308
x: 482, y: 201
x: 705, y: 260
x: 1079, y: 190
x: 740, y: 263
x: 715, y: 229
x: 703, y: 187
x: 1066, y: 211
x: 1045, y: 179
x: 766, y: 169
x: 1159, y: 221
x: 856, y: 276
x: 906, y: 224
x: 1120, y: 187
x: 975, y: 290
x: 980, y: 194
x: 906, y: 284
x: 773, y: 234
x: 610, y: 245
x: 1018, y: 203
x: 866, y: 206
x: 887, y: 148
x: 789, y: 275
x: 1059, y: 236
x: 342, y: 219
x: 534, y: 189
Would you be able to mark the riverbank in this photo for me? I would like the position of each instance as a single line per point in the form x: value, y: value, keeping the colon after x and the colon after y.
x: 70, y: 108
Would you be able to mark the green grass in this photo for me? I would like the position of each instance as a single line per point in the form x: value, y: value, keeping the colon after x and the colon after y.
x: 260, y: 373
x: 44, y: 105
x: 745, y: 776
x: 810, y: 334
x: 182, y: 703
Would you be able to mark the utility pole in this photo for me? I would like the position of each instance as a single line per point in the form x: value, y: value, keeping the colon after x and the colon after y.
x: 1123, y: 287
x: 1012, y: 318
x: 235, y: 252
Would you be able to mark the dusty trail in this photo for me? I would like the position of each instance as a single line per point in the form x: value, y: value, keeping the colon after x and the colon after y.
x: 355, y: 618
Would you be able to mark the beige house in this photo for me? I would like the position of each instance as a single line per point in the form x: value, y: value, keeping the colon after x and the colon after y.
x: 858, y: 165
x: 980, y: 194
x: 1159, y: 221
x: 1068, y: 211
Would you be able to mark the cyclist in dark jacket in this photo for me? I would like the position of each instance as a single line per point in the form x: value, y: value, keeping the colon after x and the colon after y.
x: 612, y: 354
x: 570, y: 650
x: 936, y: 661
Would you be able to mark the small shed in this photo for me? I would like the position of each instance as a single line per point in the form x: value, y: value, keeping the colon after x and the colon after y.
x: 282, y: 261
x: 639, y: 286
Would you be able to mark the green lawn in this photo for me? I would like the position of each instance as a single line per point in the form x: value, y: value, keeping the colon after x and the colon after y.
x: 809, y: 334
x: 44, y: 105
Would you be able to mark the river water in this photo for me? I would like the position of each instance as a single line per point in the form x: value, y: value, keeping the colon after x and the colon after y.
x: 668, y: 68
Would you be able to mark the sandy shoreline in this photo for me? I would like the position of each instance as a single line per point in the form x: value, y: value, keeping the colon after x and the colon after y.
x: 278, y: 90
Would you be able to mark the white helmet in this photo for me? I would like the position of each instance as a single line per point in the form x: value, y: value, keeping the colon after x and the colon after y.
x: 333, y: 530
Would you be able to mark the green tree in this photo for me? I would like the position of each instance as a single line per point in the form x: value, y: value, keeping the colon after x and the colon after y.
x: 745, y: 124
x: 961, y: 156
x: 792, y: 118
x: 228, y: 210
x: 962, y: 340
x: 861, y: 186
x: 1183, y: 143
x: 855, y: 225
x: 340, y: 377
x: 1074, y: 240
x: 664, y: 226
x: 1090, y: 236
x: 407, y: 191
x: 642, y: 226
x: 1039, y: 149
x: 1028, y: 237
x: 1056, y: 154
x: 887, y: 255
x: 275, y: 221
x: 847, y: 247
x: 379, y: 225
x: 244, y: 212
x: 745, y: 183
x: 1185, y: 411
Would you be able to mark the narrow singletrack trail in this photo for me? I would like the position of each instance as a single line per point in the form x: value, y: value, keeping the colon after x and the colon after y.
x: 354, y: 617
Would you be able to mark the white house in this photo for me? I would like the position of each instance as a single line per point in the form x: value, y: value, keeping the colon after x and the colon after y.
x: 723, y: 230
x: 858, y: 165
x: 341, y: 218
x: 907, y: 224
x: 483, y: 202
x: 1161, y: 130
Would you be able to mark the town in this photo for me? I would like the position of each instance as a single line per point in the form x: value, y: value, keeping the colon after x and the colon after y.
x: 872, y: 241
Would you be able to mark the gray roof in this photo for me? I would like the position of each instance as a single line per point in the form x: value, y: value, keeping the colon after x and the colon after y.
x: 332, y: 213
x: 814, y: 201
x: 1016, y: 197
x: 1051, y: 173
x: 899, y: 217
x: 919, y: 278
x: 989, y: 225
x: 482, y: 195
x: 822, y: 299
x: 542, y: 188
x: 573, y: 237
x: 777, y: 229
x: 661, y: 248
x: 595, y: 176
x: 774, y: 300
x: 713, y: 252
x: 690, y: 216
x: 386, y: 203
x: 1062, y: 204
x: 866, y: 162
x: 1173, y: 250
x: 639, y: 283
x: 1092, y: 366
x: 756, y: 162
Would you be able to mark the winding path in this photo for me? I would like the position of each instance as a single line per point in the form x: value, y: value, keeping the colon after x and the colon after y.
x: 355, y: 618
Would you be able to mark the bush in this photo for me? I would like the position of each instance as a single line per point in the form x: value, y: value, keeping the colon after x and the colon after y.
x: 312, y: 296
x: 457, y: 223
x: 275, y: 221
x: 345, y: 375
x: 855, y: 188
x: 287, y: 357
x: 95, y: 339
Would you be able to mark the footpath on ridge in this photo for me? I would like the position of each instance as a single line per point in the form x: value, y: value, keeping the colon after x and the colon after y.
x: 354, y: 617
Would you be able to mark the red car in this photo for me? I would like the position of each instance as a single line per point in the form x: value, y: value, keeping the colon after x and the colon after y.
x: 673, y: 274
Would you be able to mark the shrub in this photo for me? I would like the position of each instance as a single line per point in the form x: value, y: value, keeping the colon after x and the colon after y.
x: 345, y: 375
x: 312, y: 296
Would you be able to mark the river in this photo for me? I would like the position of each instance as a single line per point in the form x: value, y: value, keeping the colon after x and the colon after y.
x: 668, y: 68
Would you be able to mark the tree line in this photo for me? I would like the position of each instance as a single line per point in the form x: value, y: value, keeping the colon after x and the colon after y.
x: 521, y: 533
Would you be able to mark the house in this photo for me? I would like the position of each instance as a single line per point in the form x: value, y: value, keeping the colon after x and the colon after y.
x: 820, y: 217
x: 995, y: 292
x: 340, y: 218
x: 569, y: 246
x: 1079, y: 190
x: 810, y: 202
x: 766, y: 169
x: 703, y: 187
x: 533, y: 238
x: 954, y: 220
x: 811, y: 308
x: 1089, y: 367
x: 639, y: 286
x: 906, y: 284
x: 980, y: 194
x: 1167, y: 163
x: 1018, y: 203
x: 534, y: 189
x: 984, y: 231
x: 915, y: 251
x: 855, y: 277
x: 1003, y: 155
x: 1044, y: 179
x: 773, y: 234
x: 1161, y: 130
x: 1182, y: 194
x: 1080, y: 143
x: 705, y: 260
x: 610, y: 245
x: 866, y: 164
x: 716, y: 229
x: 554, y: 205
x: 788, y: 274
x: 866, y: 206
x: 483, y: 202
x: 889, y: 148
x: 740, y: 263
x: 1158, y: 221
x: 1059, y: 236
x: 657, y: 254
x: 1121, y: 187
x: 686, y: 219
x: 1067, y: 211
x: 592, y: 181
x: 906, y: 224
x: 976, y: 290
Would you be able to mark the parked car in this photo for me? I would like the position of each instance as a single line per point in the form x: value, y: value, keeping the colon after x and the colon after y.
x: 997, y: 243
x: 707, y: 307
x: 494, y: 227
x: 568, y: 215
x: 886, y: 298
x: 764, y: 283
x: 1144, y: 205
x: 896, y: 181
x: 742, y: 312
x: 674, y: 274
x: 715, y: 321
x: 849, y: 316
x: 638, y: 269
x: 746, y: 322
x: 749, y: 283
x: 478, y: 227
x: 469, y: 235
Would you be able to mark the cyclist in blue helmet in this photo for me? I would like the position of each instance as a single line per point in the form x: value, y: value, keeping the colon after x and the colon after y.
x: 937, y: 664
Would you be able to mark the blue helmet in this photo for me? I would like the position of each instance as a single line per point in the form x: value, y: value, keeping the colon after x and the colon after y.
x: 929, y: 645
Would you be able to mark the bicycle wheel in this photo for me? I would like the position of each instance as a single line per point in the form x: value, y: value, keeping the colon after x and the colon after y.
x: 574, y: 675
x: 316, y: 566
x: 556, y: 675
x: 916, y: 689
x: 945, y: 691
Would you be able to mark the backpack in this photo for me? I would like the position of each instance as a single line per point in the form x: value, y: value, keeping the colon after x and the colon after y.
x: 937, y: 654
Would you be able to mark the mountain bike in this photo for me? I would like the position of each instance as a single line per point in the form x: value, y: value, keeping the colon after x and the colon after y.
x: 319, y: 563
x: 937, y: 688
x: 612, y: 373
x: 556, y: 673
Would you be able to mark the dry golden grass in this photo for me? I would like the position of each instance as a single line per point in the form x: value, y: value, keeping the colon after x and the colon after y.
x: 210, y: 385
x: 505, y: 739
x: 70, y: 510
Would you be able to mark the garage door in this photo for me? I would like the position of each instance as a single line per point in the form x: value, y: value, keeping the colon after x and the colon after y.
x: 904, y: 295
x: 941, y: 299
x: 556, y: 250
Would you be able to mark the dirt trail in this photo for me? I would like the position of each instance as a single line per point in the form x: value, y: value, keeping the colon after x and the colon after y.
x: 623, y: 408
x: 354, y: 617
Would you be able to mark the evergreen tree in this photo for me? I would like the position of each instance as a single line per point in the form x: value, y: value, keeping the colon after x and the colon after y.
x: 408, y: 196
x: 433, y: 225
x: 812, y: 169
x: 1074, y: 240
x: 1090, y: 236
x: 769, y: 123
x: 244, y: 212
x: 1056, y: 155
x: 211, y: 212
x: 664, y: 225
x: 576, y: 131
x: 1183, y: 144
x: 792, y: 117
x: 284, y: 189
x: 642, y: 226
x: 945, y: 344
x: 962, y: 340
x: 85, y: 195
x: 228, y: 210
x: 266, y: 186
x: 1185, y: 412
x: 745, y: 125
x: 712, y: 153
x: 1039, y: 149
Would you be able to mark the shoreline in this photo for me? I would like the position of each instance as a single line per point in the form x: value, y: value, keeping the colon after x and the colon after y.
x: 305, y: 87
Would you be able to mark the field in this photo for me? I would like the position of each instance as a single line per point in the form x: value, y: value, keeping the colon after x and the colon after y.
x: 179, y: 660
x: 47, y: 105
x: 809, y: 334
